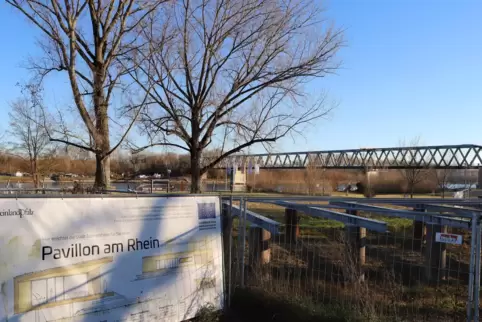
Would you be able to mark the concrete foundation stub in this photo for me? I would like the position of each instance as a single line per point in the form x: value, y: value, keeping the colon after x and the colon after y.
x: 419, y: 231
x: 259, y: 248
x: 355, y: 255
x: 355, y: 249
x: 292, y: 225
x: 356, y: 240
x: 435, y: 254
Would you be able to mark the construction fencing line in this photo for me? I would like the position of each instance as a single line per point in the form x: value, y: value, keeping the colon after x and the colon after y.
x: 372, y: 262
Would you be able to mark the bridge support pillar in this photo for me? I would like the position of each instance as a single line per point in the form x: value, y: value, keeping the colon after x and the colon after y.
x: 355, y: 249
x: 259, y: 249
x: 292, y: 225
x: 435, y: 254
x: 238, y: 179
x: 479, y: 181
x: 419, y: 231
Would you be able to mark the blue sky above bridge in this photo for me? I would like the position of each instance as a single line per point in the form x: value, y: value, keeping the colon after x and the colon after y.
x: 411, y: 68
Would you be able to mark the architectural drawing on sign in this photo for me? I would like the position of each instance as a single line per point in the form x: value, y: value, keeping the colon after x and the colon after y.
x: 206, y: 210
x: 59, y: 286
x: 199, y: 253
x: 153, y: 266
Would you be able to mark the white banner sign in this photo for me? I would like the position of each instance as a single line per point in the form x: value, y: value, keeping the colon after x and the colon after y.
x: 448, y: 238
x: 110, y: 259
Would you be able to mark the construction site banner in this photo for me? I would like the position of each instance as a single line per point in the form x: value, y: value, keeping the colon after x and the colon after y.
x: 109, y: 259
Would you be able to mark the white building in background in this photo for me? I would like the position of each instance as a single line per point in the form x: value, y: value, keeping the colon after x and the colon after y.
x: 18, y: 174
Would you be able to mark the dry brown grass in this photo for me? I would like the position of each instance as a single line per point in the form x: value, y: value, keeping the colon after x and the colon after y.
x: 324, y: 271
x: 319, y: 181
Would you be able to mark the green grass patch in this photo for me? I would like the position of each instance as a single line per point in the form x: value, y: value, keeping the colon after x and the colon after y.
x: 277, y: 213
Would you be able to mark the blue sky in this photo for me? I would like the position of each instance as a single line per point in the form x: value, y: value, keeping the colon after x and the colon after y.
x: 410, y: 68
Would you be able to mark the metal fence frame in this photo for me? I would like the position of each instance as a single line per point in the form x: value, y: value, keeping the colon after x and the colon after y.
x: 460, y: 213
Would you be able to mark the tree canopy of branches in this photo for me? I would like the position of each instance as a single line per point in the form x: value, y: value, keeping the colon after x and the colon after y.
x: 30, y: 138
x: 231, y: 73
x: 85, y: 39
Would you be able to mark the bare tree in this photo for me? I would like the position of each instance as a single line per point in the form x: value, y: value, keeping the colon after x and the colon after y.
x: 442, y: 179
x: 412, y: 173
x: 85, y: 39
x: 231, y: 74
x: 31, y: 140
x: 314, y: 174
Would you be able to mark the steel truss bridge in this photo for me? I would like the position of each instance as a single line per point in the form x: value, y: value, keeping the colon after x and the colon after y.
x: 466, y: 156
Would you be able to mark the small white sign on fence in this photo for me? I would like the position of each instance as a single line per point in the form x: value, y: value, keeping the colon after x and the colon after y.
x: 448, y: 238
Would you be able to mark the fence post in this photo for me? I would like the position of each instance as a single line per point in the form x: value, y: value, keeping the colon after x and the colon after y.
x: 292, y: 225
x: 477, y: 270
x: 227, y: 229
x: 473, y: 247
x: 243, y: 238
x: 419, y: 231
x: 230, y: 214
x: 435, y: 253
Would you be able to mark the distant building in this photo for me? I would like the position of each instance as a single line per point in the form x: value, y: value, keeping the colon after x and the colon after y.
x: 18, y: 174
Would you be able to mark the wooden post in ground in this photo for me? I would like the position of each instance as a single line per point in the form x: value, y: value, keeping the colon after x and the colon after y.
x: 419, y: 231
x: 435, y: 254
x: 292, y: 226
x: 259, y: 248
x: 355, y: 248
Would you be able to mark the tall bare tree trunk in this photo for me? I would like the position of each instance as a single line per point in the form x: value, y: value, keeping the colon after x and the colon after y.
x: 34, y: 171
x: 195, y: 171
x: 195, y: 152
x: 102, y: 172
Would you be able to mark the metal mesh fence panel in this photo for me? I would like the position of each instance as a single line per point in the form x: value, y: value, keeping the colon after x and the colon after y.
x: 403, y: 274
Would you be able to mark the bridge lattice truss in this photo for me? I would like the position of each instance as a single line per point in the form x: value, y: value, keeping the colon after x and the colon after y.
x: 437, y: 157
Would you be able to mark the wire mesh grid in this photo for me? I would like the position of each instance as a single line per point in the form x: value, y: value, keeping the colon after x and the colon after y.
x: 403, y: 274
